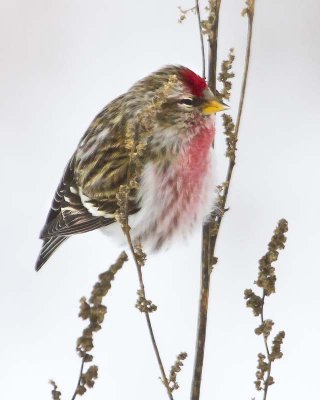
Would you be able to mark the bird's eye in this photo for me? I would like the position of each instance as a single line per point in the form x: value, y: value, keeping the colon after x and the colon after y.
x: 188, y: 102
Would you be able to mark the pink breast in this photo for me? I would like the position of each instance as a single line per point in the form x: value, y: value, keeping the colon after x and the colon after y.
x: 194, y: 163
x: 184, y: 190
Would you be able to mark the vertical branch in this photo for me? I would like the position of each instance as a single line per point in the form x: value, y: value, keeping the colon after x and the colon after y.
x: 201, y: 40
x: 265, y: 340
x: 216, y: 220
x: 207, y: 249
x: 202, y: 316
x: 211, y: 228
x: 213, y: 46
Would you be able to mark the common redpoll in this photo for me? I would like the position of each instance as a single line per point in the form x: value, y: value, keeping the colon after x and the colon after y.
x: 175, y: 191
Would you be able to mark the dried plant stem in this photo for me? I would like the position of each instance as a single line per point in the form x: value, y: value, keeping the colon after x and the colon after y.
x: 202, y: 319
x: 213, y: 49
x: 150, y: 329
x: 266, y: 280
x: 265, y: 339
x: 216, y: 220
x: 239, y: 115
x: 137, y: 137
x: 207, y: 249
x: 201, y: 40
x: 79, y: 380
x: 245, y: 73
x: 211, y: 229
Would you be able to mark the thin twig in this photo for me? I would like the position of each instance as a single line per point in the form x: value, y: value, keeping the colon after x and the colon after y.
x: 245, y: 74
x: 211, y: 228
x: 201, y: 40
x: 239, y: 115
x: 154, y: 343
x: 126, y: 231
x: 236, y: 132
x: 79, y: 380
x: 266, y: 387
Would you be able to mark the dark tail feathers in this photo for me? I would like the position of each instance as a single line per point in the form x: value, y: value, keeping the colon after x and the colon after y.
x: 48, y: 247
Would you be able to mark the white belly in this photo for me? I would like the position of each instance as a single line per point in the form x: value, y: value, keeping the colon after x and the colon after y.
x: 171, y: 206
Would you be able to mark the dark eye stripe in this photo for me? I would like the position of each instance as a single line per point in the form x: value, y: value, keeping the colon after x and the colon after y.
x: 188, y: 102
x: 191, y: 102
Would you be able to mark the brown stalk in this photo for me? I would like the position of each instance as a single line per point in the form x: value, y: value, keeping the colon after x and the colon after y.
x: 201, y: 40
x: 207, y: 249
x: 79, y: 379
x: 132, y: 173
x: 150, y: 329
x: 213, y: 50
x: 211, y: 228
x: 265, y: 339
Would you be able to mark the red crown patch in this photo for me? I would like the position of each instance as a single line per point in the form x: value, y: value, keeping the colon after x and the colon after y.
x: 194, y: 82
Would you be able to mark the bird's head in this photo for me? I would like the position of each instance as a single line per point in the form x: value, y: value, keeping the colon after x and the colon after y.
x: 187, y: 99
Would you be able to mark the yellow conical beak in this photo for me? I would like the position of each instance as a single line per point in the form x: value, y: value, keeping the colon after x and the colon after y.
x: 214, y: 106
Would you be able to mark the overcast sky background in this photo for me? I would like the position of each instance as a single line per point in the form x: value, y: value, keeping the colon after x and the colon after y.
x: 61, y: 62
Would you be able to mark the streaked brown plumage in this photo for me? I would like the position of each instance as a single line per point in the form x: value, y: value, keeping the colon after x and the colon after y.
x: 86, y: 197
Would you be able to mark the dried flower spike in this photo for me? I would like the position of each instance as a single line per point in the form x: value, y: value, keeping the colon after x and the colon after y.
x: 226, y: 75
x: 276, y: 346
x: 249, y: 10
x: 175, y: 369
x: 231, y: 136
x: 56, y: 395
x: 254, y: 301
x: 93, y: 309
x: 208, y: 24
x: 266, y: 280
x: 144, y: 305
x: 184, y: 13
x: 87, y: 379
x: 264, y: 328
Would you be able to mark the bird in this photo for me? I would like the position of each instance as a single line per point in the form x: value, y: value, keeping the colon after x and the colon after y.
x: 176, y: 189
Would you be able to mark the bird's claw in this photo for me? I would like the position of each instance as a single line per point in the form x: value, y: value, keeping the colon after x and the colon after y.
x: 219, y: 212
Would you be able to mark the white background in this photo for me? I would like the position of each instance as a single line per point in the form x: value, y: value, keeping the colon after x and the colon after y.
x: 61, y: 62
